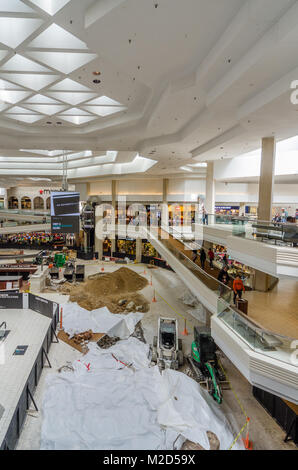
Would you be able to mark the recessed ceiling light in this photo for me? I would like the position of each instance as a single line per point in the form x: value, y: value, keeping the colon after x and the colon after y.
x: 96, y: 73
x: 96, y: 81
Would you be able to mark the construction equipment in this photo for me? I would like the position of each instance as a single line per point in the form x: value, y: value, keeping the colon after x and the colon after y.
x: 166, y: 351
x: 204, y: 362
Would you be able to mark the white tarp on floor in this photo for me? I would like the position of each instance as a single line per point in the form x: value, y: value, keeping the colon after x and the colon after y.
x: 105, y: 405
x: 77, y: 319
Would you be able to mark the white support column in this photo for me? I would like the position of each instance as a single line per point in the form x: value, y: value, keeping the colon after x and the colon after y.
x: 266, y: 181
x: 165, y: 211
x: 114, y: 204
x: 5, y: 199
x: 210, y: 189
x: 138, y: 250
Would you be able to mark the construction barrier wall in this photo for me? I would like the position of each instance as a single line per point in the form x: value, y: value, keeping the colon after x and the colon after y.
x: 284, y: 414
x: 50, y: 310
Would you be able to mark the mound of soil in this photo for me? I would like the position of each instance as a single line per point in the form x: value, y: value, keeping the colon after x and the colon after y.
x: 108, y: 289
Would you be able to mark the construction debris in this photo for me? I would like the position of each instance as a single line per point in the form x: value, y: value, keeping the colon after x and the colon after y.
x: 213, y: 440
x: 110, y: 290
x: 107, y: 341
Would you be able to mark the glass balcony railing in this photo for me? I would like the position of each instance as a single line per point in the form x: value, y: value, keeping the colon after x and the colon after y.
x: 272, y: 232
x: 257, y: 338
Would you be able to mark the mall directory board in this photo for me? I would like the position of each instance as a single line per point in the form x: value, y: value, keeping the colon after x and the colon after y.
x: 65, y: 212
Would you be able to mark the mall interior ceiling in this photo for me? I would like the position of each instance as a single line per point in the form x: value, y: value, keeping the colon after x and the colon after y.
x: 146, y: 88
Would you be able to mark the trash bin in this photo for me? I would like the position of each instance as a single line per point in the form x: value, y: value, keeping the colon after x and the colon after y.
x: 242, y: 305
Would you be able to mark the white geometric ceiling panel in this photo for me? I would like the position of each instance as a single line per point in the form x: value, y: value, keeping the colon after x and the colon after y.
x: 104, y: 110
x: 75, y: 112
x: 14, y: 6
x: 3, y: 106
x: 34, y: 82
x: 29, y: 118
x: 57, y: 38
x: 105, y: 101
x: 19, y: 110
x: 50, y: 6
x: 41, y: 99
x: 48, y: 109
x: 69, y: 85
x: 14, y: 31
x: 71, y: 98
x: 78, y: 120
x: 4, y: 85
x: 19, y: 63
x: 65, y: 63
x: 12, y: 96
x: 3, y: 54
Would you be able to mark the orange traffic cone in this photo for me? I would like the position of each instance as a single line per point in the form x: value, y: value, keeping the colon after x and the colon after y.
x: 247, y: 443
x: 102, y: 269
x: 154, y: 298
x: 185, y: 332
x: 144, y: 271
x: 94, y: 258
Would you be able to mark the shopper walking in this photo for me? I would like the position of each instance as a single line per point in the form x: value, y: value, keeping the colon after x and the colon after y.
x: 211, y: 258
x: 202, y: 257
x: 238, y: 288
x: 195, y: 255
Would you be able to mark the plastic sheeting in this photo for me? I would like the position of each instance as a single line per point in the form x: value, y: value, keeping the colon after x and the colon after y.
x: 106, y: 405
x: 77, y: 319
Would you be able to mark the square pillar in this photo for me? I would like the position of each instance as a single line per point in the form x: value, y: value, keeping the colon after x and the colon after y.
x: 210, y: 189
x: 266, y: 181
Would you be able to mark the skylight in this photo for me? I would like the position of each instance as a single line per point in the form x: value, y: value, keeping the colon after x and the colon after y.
x: 48, y: 109
x: 104, y: 110
x: 28, y: 118
x: 19, y: 110
x: 14, y: 31
x: 3, y: 54
x: 57, y: 38
x: 14, y: 6
x: 50, y: 6
x: 69, y: 85
x: 4, y: 85
x: 34, y: 82
x: 104, y: 101
x: 78, y: 120
x: 41, y: 99
x: 71, y: 98
x: 65, y: 63
x: 12, y: 96
x: 19, y: 63
x: 75, y: 112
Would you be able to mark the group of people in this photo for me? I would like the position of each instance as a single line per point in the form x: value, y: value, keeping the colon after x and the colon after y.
x: 223, y: 275
x: 33, y: 238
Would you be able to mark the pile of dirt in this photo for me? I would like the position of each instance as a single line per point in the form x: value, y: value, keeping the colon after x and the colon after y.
x: 116, y: 291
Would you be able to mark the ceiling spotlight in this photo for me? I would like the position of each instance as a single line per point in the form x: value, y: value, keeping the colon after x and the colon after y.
x: 96, y: 81
x: 49, y: 122
x: 96, y: 73
x: 59, y: 122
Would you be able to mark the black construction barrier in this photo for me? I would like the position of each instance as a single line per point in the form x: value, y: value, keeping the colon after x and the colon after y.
x: 281, y: 411
x: 40, y: 305
x: 51, y: 310
x: 11, y: 300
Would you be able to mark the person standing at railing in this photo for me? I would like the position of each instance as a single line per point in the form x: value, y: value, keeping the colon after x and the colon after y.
x: 238, y: 288
x: 224, y: 278
x: 202, y: 257
x: 211, y: 258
